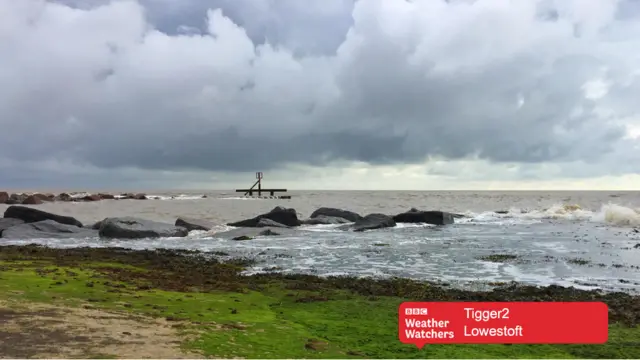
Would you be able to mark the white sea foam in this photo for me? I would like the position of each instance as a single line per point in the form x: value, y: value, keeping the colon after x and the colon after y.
x: 609, y: 214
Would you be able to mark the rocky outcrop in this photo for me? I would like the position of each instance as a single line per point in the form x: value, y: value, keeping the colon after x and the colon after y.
x: 193, y: 224
x: 17, y: 198
x: 4, y: 197
x: 325, y: 220
x: 333, y: 212
x: 371, y: 222
x: 134, y: 228
x: 264, y: 222
x: 45, y: 197
x: 63, y: 197
x: 47, y: 229
x: 32, y: 200
x: 31, y: 215
x: 253, y: 232
x: 415, y: 216
x: 279, y: 214
x: 93, y: 197
x: 7, y: 223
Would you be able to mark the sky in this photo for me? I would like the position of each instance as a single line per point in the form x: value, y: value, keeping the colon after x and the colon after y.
x: 320, y: 94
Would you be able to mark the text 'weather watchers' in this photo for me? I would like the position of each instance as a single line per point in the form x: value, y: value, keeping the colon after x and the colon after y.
x: 422, y: 323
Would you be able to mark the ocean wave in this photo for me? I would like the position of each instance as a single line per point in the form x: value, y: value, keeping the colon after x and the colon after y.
x: 609, y: 214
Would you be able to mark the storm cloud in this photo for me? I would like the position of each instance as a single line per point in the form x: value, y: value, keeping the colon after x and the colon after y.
x: 237, y: 85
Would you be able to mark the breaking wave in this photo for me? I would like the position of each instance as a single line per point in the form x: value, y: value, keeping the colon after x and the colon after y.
x: 609, y: 214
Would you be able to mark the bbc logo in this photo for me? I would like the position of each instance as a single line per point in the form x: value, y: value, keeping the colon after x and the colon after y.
x: 416, y: 311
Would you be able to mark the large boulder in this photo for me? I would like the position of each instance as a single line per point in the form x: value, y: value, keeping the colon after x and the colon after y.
x: 17, y: 198
x: 7, y: 223
x: 31, y: 215
x: 63, y: 197
x: 45, y: 197
x: 193, y: 224
x: 4, y: 197
x: 32, y: 200
x: 325, y: 220
x: 333, y: 212
x: 264, y: 222
x: 371, y: 222
x: 47, y: 229
x: 415, y: 216
x: 134, y: 228
x: 279, y: 214
x: 253, y: 232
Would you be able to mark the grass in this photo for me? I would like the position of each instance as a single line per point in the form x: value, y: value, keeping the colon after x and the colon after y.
x: 274, y: 316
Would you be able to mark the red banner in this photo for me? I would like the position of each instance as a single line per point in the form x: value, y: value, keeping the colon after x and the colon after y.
x: 422, y: 323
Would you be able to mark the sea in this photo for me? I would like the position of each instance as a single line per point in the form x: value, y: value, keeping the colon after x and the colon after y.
x: 584, y: 239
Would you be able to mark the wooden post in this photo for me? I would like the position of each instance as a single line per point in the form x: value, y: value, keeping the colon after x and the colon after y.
x: 259, y: 177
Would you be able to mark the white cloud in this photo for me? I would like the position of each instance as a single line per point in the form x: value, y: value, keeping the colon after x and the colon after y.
x: 516, y: 92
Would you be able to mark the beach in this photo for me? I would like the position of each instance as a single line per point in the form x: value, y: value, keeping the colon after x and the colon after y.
x: 204, y: 293
x: 582, y: 239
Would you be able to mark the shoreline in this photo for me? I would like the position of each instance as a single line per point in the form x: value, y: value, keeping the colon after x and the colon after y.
x: 206, y: 302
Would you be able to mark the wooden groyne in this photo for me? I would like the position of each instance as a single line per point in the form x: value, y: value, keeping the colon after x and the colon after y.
x: 272, y: 192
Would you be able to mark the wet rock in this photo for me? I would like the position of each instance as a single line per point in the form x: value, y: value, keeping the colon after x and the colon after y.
x: 279, y: 214
x: 63, y: 197
x: 93, y: 197
x: 30, y: 215
x: 47, y: 229
x: 193, y: 224
x: 106, y: 196
x: 371, y: 222
x: 339, y: 213
x: 253, y: 232
x: 7, y: 223
x: 17, y: 198
x: 140, y: 197
x: 45, y: 197
x: 264, y: 222
x: 429, y: 217
x: 325, y: 220
x: 242, y: 238
x: 96, y: 225
x: 32, y: 200
x: 134, y: 228
x: 4, y: 197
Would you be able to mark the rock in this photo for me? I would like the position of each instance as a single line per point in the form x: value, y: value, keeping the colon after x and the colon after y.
x: 18, y: 198
x: 63, y: 197
x: 31, y: 215
x: 252, y: 232
x: 428, y: 217
x: 97, y: 225
x: 106, y: 196
x: 45, y: 197
x: 268, y: 232
x: 47, y: 229
x: 279, y: 214
x: 7, y: 223
x: 333, y: 212
x: 32, y: 200
x: 242, y: 238
x: 140, y: 197
x: 4, y: 197
x: 94, y: 197
x: 325, y: 220
x: 193, y: 224
x: 204, y: 196
x: 371, y: 222
x: 134, y: 228
x: 264, y: 222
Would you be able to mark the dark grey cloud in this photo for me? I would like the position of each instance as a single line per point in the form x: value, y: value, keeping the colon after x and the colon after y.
x: 259, y: 84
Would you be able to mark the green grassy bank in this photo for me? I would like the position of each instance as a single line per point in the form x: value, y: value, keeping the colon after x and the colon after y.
x: 224, y: 314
